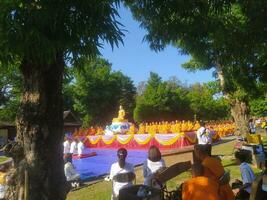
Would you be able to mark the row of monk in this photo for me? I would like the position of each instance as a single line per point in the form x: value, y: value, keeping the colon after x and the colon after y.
x: 223, y: 128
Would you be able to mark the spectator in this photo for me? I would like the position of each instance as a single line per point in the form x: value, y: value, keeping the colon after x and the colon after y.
x: 152, y: 165
x: 199, y: 187
x: 204, y: 137
x: 66, y: 146
x: 242, y: 157
x: 80, y: 148
x: 71, y: 174
x: 3, y: 180
x: 118, y: 168
x: 213, y: 169
x: 252, y: 127
x: 74, y: 147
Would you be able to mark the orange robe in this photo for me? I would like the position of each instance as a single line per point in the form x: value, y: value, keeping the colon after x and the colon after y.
x: 213, y: 169
x: 200, y: 188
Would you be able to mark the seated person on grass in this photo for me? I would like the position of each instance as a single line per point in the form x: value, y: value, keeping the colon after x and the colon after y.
x: 152, y: 165
x: 242, y: 188
x: 120, y: 167
x: 200, y: 187
x: 3, y: 180
x: 71, y: 174
x: 213, y: 169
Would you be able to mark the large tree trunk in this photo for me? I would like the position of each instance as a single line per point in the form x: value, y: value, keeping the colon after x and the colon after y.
x: 239, y: 109
x: 40, y: 133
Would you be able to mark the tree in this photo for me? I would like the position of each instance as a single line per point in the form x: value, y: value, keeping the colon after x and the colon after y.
x: 10, y: 86
x: 42, y: 35
x: 258, y: 107
x: 99, y: 92
x: 205, y: 104
x: 161, y: 101
x: 217, y: 34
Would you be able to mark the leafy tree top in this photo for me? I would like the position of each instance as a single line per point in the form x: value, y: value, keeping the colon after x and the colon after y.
x: 40, y: 30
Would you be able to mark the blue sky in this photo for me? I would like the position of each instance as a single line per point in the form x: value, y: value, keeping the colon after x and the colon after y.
x: 136, y: 59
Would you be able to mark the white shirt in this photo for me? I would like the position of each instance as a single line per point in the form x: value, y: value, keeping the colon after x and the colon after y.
x: 116, y: 169
x: 150, y: 168
x: 73, y: 148
x: 204, y: 138
x: 247, y: 175
x: 80, y: 148
x: 252, y: 127
x: 70, y: 172
x: 66, y: 147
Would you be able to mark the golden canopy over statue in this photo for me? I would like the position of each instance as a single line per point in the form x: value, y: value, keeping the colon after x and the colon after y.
x: 121, y: 116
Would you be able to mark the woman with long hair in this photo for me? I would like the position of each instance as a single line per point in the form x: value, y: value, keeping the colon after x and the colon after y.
x: 120, y: 167
x: 152, y: 165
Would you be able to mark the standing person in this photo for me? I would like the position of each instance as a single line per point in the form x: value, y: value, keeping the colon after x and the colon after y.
x: 80, y: 148
x: 252, y: 127
x: 71, y: 174
x: 152, y: 165
x: 243, y: 192
x: 204, y: 137
x: 213, y: 169
x: 118, y: 168
x: 74, y: 147
x: 199, y: 187
x: 66, y: 146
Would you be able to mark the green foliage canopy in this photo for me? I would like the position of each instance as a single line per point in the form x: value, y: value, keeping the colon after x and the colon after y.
x: 98, y: 92
x: 41, y: 29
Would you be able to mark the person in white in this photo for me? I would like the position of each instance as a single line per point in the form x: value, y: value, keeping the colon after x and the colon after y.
x: 71, y: 174
x: 120, y: 167
x: 152, y: 165
x: 66, y: 146
x: 74, y: 147
x: 252, y: 127
x: 80, y: 148
x: 203, y: 134
x: 246, y: 173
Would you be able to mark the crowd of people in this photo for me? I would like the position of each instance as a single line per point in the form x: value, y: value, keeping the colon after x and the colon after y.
x: 209, y: 179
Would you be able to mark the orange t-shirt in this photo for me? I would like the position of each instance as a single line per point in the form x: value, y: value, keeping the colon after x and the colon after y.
x: 213, y: 169
x: 200, y: 188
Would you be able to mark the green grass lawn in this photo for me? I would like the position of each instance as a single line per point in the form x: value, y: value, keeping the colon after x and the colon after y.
x: 102, y: 190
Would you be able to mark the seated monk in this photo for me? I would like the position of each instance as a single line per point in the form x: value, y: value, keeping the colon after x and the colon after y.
x: 142, y: 129
x: 199, y: 187
x: 213, y: 169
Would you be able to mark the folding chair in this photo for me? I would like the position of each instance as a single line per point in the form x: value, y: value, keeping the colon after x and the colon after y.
x: 122, y: 178
x: 169, y: 173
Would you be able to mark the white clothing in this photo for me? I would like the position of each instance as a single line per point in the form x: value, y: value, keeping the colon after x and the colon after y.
x: 150, y: 168
x: 204, y: 136
x: 80, y: 148
x: 116, y: 169
x: 252, y: 127
x: 70, y: 172
x: 74, y: 148
x: 66, y: 147
x: 247, y: 175
x: 3, y: 189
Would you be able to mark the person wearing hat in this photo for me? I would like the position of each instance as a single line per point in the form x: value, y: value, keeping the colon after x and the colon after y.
x: 118, y: 168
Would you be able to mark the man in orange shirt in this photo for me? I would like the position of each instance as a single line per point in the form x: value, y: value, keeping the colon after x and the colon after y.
x: 213, y: 169
x: 200, y: 187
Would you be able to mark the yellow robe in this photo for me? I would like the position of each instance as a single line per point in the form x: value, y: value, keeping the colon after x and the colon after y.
x: 200, y: 188
x: 213, y: 169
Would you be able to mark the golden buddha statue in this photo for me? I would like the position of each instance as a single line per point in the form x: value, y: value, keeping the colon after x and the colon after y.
x: 121, y: 116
